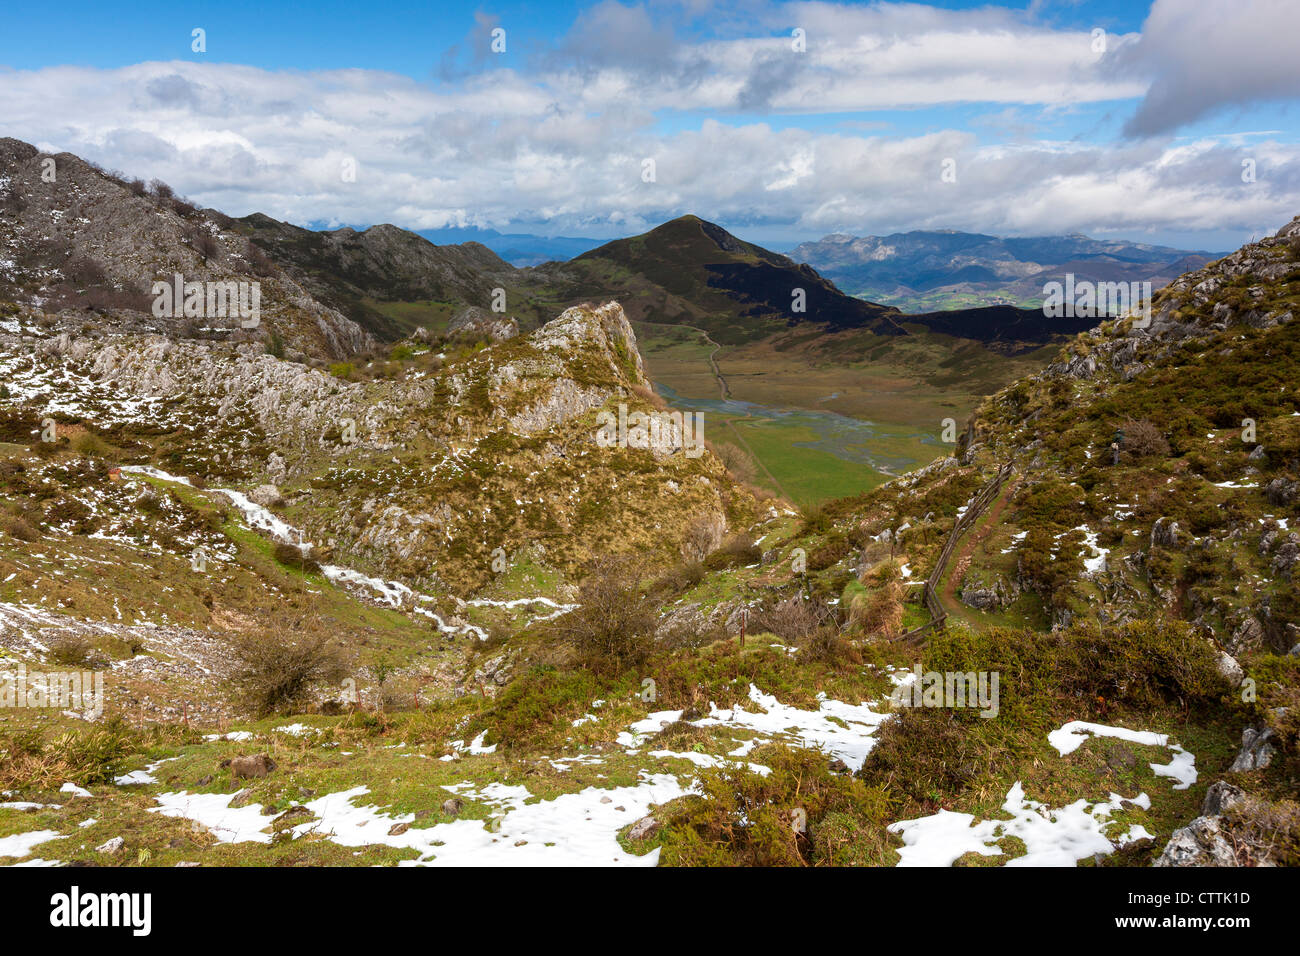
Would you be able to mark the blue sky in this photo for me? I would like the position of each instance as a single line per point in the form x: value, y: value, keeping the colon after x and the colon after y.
x: 1145, y: 139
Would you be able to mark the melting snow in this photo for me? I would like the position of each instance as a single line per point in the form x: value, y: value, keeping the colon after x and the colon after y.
x: 574, y: 829
x: 20, y: 844
x: 842, y: 729
x: 1182, y: 768
x: 1052, y: 837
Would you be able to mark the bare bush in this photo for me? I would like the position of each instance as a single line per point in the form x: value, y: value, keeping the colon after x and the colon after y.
x: 84, y: 271
x: 739, y: 465
x: 827, y: 645
x: 1142, y: 439
x: 276, y: 674
x: 74, y: 650
x: 702, y: 535
x: 204, y: 243
x: 880, y: 613
x: 292, y: 556
x: 20, y: 529
x: 258, y: 262
x: 90, y: 445
x: 678, y: 579
x: 794, y: 618
x: 650, y: 397
x: 613, y: 627
x: 740, y: 549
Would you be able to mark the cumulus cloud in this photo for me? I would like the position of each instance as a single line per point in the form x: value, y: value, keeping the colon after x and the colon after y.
x: 1204, y: 56
x: 557, y: 145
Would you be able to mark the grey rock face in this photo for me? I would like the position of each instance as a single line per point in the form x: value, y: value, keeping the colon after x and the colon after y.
x: 1201, y: 843
x: 474, y: 322
x: 1229, y: 668
x: 1164, y: 533
x: 1256, y: 750
x: 1221, y: 796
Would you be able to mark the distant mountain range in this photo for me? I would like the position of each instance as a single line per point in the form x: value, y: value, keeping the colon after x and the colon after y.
x: 938, y: 270
x: 518, y: 249
x: 95, y: 240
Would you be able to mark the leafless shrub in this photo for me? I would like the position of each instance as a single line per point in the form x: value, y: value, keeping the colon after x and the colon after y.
x: 84, y: 271
x: 650, y: 397
x: 74, y: 650
x: 701, y: 537
x: 1142, y: 439
x: 258, y: 261
x: 739, y: 465
x: 276, y: 674
x: 794, y: 618
x: 613, y: 627
x: 21, y: 530
x: 881, y: 611
x: 204, y: 243
x: 161, y: 189
x: 739, y: 549
x: 292, y: 556
x: 680, y: 578
x: 827, y: 645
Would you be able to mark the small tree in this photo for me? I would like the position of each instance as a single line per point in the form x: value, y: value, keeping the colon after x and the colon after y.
x: 613, y: 627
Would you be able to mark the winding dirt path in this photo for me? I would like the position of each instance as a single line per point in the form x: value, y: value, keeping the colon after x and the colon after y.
x: 723, y: 391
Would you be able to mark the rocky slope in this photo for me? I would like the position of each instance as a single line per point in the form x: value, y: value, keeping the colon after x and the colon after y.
x: 84, y: 244
x: 353, y: 270
x: 1155, y: 477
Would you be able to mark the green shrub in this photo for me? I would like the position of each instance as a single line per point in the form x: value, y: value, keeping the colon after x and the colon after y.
x: 742, y: 818
x: 538, y: 704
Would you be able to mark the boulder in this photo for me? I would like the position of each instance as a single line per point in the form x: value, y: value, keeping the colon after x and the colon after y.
x: 1164, y: 533
x: 111, y: 847
x: 268, y: 496
x: 1229, y: 668
x: 644, y: 828
x: 1256, y: 751
x: 1221, y: 796
x: 1201, y: 843
x: 473, y: 322
x: 254, y: 765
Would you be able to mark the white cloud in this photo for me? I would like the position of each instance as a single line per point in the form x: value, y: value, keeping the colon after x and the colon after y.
x: 1204, y: 56
x: 560, y: 148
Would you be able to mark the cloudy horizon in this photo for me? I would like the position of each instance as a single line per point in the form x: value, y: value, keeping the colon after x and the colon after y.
x: 1171, y: 122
